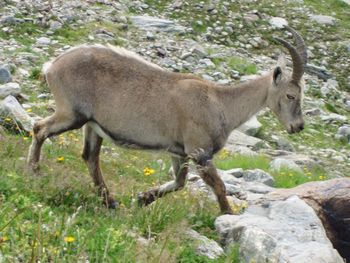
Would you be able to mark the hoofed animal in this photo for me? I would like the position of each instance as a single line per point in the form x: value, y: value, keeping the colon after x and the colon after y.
x: 117, y: 95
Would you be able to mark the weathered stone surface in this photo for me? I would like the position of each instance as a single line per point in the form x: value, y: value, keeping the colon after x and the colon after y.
x: 279, y: 163
x: 10, y: 88
x: 280, y: 231
x: 331, y: 201
x: 278, y: 22
x: 153, y: 24
x: 343, y: 133
x: 5, y: 75
x: 239, y: 138
x: 205, y: 246
x: 323, y: 20
x: 258, y: 175
x: 250, y: 127
x: 11, y: 107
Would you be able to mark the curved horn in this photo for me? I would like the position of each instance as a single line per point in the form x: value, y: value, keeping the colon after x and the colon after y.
x: 299, y: 55
x: 301, y: 47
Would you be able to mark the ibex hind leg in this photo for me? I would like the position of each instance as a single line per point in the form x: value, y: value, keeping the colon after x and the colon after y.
x: 91, y: 152
x: 53, y: 125
x: 180, y: 167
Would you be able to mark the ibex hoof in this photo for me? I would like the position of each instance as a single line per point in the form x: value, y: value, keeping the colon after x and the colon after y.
x: 110, y: 203
x: 146, y: 198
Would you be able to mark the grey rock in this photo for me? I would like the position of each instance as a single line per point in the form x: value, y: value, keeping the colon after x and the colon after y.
x: 278, y: 232
x: 241, y: 150
x: 156, y: 24
x: 11, y: 20
x: 10, y: 88
x: 205, y: 246
x: 320, y: 72
x: 239, y: 138
x: 333, y: 117
x: 346, y: 2
x: 5, y: 75
x: 199, y: 52
x: 258, y: 175
x: 11, y: 107
x: 343, y: 133
x: 43, y: 41
x: 54, y: 25
x: 250, y: 127
x: 279, y: 164
x: 282, y: 144
x: 236, y: 172
x: 323, y: 20
x: 278, y: 22
x: 313, y: 112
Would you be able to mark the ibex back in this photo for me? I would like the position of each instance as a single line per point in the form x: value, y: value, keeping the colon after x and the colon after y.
x: 117, y: 95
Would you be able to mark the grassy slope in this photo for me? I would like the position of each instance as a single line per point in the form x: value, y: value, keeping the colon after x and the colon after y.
x: 57, y: 217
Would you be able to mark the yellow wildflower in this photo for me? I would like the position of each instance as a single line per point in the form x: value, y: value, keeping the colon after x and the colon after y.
x: 148, y: 171
x: 3, y: 239
x: 69, y: 239
x: 29, y: 110
x: 60, y: 159
x: 7, y: 119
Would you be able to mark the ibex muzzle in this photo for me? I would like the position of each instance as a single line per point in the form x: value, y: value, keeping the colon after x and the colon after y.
x: 117, y: 95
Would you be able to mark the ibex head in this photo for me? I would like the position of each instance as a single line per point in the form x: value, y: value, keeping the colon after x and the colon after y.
x: 286, y: 93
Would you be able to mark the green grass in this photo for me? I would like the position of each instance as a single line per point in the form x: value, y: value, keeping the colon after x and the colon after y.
x: 285, y: 178
x: 39, y: 215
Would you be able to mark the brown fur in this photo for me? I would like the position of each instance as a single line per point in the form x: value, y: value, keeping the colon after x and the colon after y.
x: 138, y: 105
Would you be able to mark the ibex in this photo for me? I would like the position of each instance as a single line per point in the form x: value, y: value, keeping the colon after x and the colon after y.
x: 117, y: 95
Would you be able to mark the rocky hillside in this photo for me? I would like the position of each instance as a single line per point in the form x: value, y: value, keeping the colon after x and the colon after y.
x: 53, y: 217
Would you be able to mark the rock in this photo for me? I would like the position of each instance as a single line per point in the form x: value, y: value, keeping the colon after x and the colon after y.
x: 250, y: 127
x: 313, y: 112
x: 346, y: 2
x: 239, y: 138
x: 156, y: 24
x: 333, y: 117
x: 236, y: 172
x: 11, y: 107
x: 199, y: 52
x: 43, y: 41
x: 320, y: 72
x: 258, y: 175
x: 282, y: 144
x: 205, y: 246
x: 279, y: 164
x: 241, y: 150
x: 10, y: 88
x: 5, y: 75
x: 54, y: 25
x: 278, y: 22
x: 343, y: 133
x: 11, y: 20
x: 331, y: 201
x: 323, y: 20
x: 278, y: 232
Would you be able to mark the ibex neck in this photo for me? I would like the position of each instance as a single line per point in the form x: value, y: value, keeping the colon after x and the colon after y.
x: 244, y: 100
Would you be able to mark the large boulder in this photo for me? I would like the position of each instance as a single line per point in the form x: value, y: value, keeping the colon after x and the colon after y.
x: 279, y: 231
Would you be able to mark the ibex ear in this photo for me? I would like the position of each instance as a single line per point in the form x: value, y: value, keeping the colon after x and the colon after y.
x: 277, y: 75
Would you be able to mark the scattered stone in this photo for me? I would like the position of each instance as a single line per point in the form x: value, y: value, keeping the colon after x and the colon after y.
x: 278, y: 22
x: 279, y: 231
x: 279, y: 164
x: 43, y: 41
x: 239, y: 138
x: 156, y: 24
x: 258, y: 175
x: 320, y: 72
x: 323, y: 20
x: 5, y: 75
x: 236, y: 172
x: 54, y: 25
x: 250, y: 127
x: 205, y: 246
x: 313, y: 112
x: 11, y: 107
x: 343, y: 133
x: 11, y: 20
x: 10, y: 88
x: 333, y: 117
x: 282, y: 144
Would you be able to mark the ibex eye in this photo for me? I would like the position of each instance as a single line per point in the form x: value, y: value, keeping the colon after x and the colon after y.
x: 290, y: 97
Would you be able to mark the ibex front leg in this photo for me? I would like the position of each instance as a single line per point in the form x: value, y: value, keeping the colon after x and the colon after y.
x: 209, y: 174
x: 91, y: 152
x: 180, y: 168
